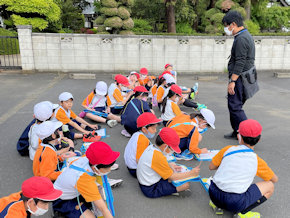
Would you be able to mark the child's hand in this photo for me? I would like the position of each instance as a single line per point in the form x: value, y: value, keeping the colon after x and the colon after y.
x: 67, y: 155
x: 86, y: 132
x: 108, y: 110
x: 195, y: 171
x: 204, y: 150
x: 177, y: 168
x: 94, y: 126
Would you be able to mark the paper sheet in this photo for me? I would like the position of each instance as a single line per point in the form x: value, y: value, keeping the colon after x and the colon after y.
x: 207, y: 156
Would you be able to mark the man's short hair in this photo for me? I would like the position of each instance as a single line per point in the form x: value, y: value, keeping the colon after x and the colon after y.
x: 233, y: 16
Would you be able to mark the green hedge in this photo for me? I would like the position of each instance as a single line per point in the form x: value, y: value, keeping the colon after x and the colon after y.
x: 8, y: 46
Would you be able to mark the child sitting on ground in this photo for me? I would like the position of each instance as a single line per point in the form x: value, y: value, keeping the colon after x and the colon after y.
x: 147, y: 124
x: 187, y: 128
x: 42, y: 111
x: 169, y: 106
x: 133, y: 80
x: 155, y: 174
x: 47, y: 159
x: 231, y: 187
x: 96, y: 101
x: 115, y: 98
x: 82, y: 183
x: 146, y: 80
x: 34, y: 198
x: 135, y: 106
x: 65, y: 115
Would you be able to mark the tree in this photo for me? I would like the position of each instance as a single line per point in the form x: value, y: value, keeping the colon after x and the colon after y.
x: 170, y: 15
x: 71, y: 16
x: 38, y: 13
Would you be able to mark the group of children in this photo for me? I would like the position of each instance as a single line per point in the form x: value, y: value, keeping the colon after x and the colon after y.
x: 80, y: 182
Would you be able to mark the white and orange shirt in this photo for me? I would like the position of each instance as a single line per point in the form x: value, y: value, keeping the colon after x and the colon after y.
x: 114, y: 96
x: 94, y: 100
x: 73, y: 182
x: 171, y: 110
x: 16, y: 209
x: 161, y: 93
x: 63, y: 115
x: 236, y: 171
x: 152, y: 166
x: 183, y: 125
x: 135, y: 148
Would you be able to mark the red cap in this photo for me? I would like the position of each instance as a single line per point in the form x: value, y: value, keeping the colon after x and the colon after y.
x: 146, y: 119
x: 167, y: 72
x: 140, y: 89
x: 101, y: 153
x: 168, y: 65
x: 144, y: 71
x: 170, y: 137
x: 250, y: 128
x: 159, y: 77
x: 122, y: 80
x: 137, y: 75
x: 176, y: 89
x: 41, y: 188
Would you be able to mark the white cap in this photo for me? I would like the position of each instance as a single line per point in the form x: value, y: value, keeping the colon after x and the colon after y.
x: 47, y: 128
x: 43, y: 110
x: 101, y: 88
x: 208, y: 116
x: 65, y: 96
x: 169, y: 78
x: 133, y: 72
x: 54, y: 106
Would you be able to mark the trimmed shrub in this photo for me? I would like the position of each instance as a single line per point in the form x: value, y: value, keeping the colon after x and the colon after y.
x: 128, y: 2
x: 254, y: 28
x: 110, y: 12
x: 128, y: 24
x: 184, y: 28
x: 100, y: 20
x: 114, y: 22
x: 141, y: 26
x: 109, y: 3
x: 123, y: 13
x: 126, y: 32
x: 101, y: 29
x: 105, y: 32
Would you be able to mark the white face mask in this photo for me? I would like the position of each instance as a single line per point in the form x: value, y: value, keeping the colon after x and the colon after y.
x: 239, y: 138
x: 165, y: 153
x: 177, y: 99
x: 39, y: 211
x: 228, y: 32
x: 99, y: 173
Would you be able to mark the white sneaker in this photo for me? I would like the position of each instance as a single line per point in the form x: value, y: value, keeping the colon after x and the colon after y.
x: 115, y: 182
x: 115, y: 167
x: 125, y: 133
x: 112, y: 123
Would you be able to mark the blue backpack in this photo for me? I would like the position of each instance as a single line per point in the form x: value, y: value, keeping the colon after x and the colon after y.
x: 23, y: 141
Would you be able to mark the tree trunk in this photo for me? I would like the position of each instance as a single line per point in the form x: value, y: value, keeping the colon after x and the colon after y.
x: 212, y: 3
x: 170, y: 12
x: 248, y: 9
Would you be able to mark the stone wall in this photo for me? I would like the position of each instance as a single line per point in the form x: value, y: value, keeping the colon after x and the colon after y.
x: 117, y: 53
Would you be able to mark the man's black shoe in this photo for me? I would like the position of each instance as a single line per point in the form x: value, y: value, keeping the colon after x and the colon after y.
x: 232, y: 135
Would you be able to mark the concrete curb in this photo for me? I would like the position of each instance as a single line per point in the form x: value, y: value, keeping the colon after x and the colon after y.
x: 82, y: 76
x: 282, y: 75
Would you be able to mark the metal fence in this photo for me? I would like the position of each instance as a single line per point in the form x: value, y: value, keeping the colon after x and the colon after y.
x: 9, y: 53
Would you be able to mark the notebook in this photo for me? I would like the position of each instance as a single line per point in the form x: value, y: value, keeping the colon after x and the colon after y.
x: 180, y: 182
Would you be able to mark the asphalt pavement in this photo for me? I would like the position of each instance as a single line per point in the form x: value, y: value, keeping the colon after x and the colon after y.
x: 270, y: 106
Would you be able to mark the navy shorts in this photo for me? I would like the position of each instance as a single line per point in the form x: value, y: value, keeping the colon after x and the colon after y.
x: 132, y: 172
x: 165, y: 122
x: 184, y: 143
x: 100, y: 109
x: 234, y: 202
x: 159, y: 189
x: 68, y: 208
x: 116, y: 111
x: 72, y: 134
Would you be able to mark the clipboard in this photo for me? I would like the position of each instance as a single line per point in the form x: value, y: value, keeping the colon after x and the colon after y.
x: 207, y: 156
x: 97, y: 113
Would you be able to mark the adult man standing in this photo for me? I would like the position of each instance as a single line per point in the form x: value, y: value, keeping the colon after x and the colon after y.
x: 242, y: 60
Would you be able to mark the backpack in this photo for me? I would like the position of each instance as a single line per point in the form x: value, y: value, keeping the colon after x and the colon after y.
x: 23, y: 141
